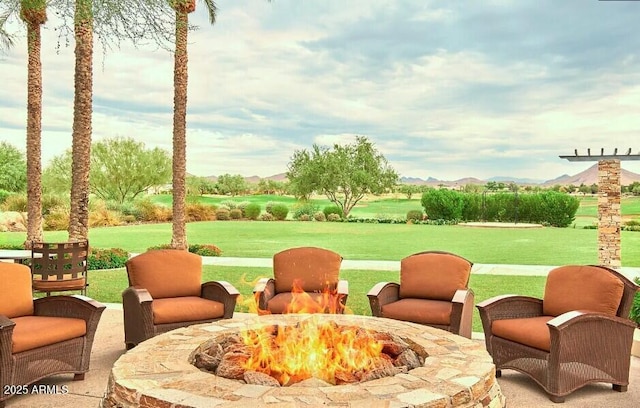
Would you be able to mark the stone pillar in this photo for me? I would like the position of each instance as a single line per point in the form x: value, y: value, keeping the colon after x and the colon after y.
x: 609, y: 215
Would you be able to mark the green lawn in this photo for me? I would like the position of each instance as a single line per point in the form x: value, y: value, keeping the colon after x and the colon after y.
x: 260, y: 239
x: 107, y: 286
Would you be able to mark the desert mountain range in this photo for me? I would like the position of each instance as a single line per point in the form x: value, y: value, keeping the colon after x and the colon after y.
x: 587, y: 177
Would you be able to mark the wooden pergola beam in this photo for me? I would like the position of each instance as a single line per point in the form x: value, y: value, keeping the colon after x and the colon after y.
x: 601, y: 156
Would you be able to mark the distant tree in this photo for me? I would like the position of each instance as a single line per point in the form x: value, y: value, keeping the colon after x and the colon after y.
x: 584, y: 189
x: 491, y: 185
x: 13, y: 168
x: 345, y: 174
x: 200, y: 185
x: 408, y: 190
x: 594, y: 188
x: 121, y: 169
x: 634, y: 188
x: 231, y: 184
x: 472, y: 188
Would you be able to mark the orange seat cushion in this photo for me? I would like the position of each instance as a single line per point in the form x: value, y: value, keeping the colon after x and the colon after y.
x: 580, y: 287
x: 308, y: 302
x: 31, y: 332
x: 166, y: 273
x: 54, y: 285
x: 531, y: 331
x: 422, y: 311
x: 315, y: 268
x: 433, y: 276
x: 16, y: 298
x: 185, y: 309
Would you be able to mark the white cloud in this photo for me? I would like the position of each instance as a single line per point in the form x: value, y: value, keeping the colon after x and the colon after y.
x: 443, y: 90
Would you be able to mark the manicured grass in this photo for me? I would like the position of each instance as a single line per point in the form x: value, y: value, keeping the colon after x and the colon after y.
x: 260, y: 239
x: 107, y: 286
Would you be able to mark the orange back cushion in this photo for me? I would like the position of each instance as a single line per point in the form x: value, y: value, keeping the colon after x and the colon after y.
x: 166, y: 273
x: 317, y: 269
x: 16, y: 298
x: 579, y: 287
x: 433, y: 275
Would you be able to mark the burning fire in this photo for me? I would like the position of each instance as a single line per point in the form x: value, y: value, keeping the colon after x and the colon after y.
x: 312, y: 348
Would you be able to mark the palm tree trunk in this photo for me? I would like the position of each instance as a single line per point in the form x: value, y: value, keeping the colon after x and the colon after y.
x: 82, y: 110
x: 180, y: 77
x: 34, y: 126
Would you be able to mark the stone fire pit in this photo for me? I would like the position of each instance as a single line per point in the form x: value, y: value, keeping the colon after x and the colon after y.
x: 458, y: 372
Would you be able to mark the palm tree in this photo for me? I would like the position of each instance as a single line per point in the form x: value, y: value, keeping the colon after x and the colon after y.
x: 182, y: 9
x: 82, y: 110
x: 34, y: 14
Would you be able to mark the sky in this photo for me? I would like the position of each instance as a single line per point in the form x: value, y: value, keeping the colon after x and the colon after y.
x: 443, y: 89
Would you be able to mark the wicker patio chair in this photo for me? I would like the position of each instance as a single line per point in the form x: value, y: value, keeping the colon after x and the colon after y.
x: 165, y: 292
x: 433, y: 290
x: 579, y: 333
x: 42, y: 337
x: 59, y: 267
x: 306, y: 280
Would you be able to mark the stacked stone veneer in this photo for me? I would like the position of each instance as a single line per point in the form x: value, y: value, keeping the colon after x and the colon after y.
x: 609, y: 216
x: 458, y: 373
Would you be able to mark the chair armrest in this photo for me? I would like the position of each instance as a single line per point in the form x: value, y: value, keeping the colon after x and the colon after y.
x: 75, y: 306
x: 462, y: 312
x: 6, y: 323
x: 580, y: 335
x: 381, y: 294
x: 223, y: 292
x: 264, y: 291
x: 138, y: 315
x: 506, y: 307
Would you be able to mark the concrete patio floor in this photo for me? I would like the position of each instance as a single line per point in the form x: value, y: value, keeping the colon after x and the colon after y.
x: 109, y: 346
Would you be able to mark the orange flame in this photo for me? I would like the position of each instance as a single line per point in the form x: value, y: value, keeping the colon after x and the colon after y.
x: 312, y: 348
x: 328, y: 301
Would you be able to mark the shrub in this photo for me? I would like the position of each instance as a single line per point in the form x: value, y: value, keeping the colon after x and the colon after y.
x: 267, y: 217
x: 152, y: 212
x: 304, y: 217
x: 632, y: 223
x: 106, y: 258
x: 222, y: 214
x: 102, y: 217
x: 198, y: 249
x: 205, y: 249
x: 332, y: 209
x: 230, y: 204
x: 252, y: 211
x: 414, y: 215
x: 242, y: 206
x: 16, y: 202
x: 269, y: 206
x: 280, y: 211
x: 319, y: 216
x: 235, y: 214
x: 634, y: 314
x: 559, y: 208
x: 127, y: 209
x: 56, y: 220
x: 333, y: 217
x: 3, y: 195
x: 51, y: 201
x: 199, y: 212
x: 304, y: 208
x: 442, y: 204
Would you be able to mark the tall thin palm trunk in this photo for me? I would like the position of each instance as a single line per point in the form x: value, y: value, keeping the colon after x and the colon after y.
x: 180, y: 79
x: 82, y: 111
x: 34, y: 14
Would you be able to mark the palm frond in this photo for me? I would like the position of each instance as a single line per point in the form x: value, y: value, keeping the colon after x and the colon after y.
x: 211, y: 9
x: 6, y: 40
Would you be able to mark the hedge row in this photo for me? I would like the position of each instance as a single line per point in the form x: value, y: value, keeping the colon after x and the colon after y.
x: 547, y: 208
